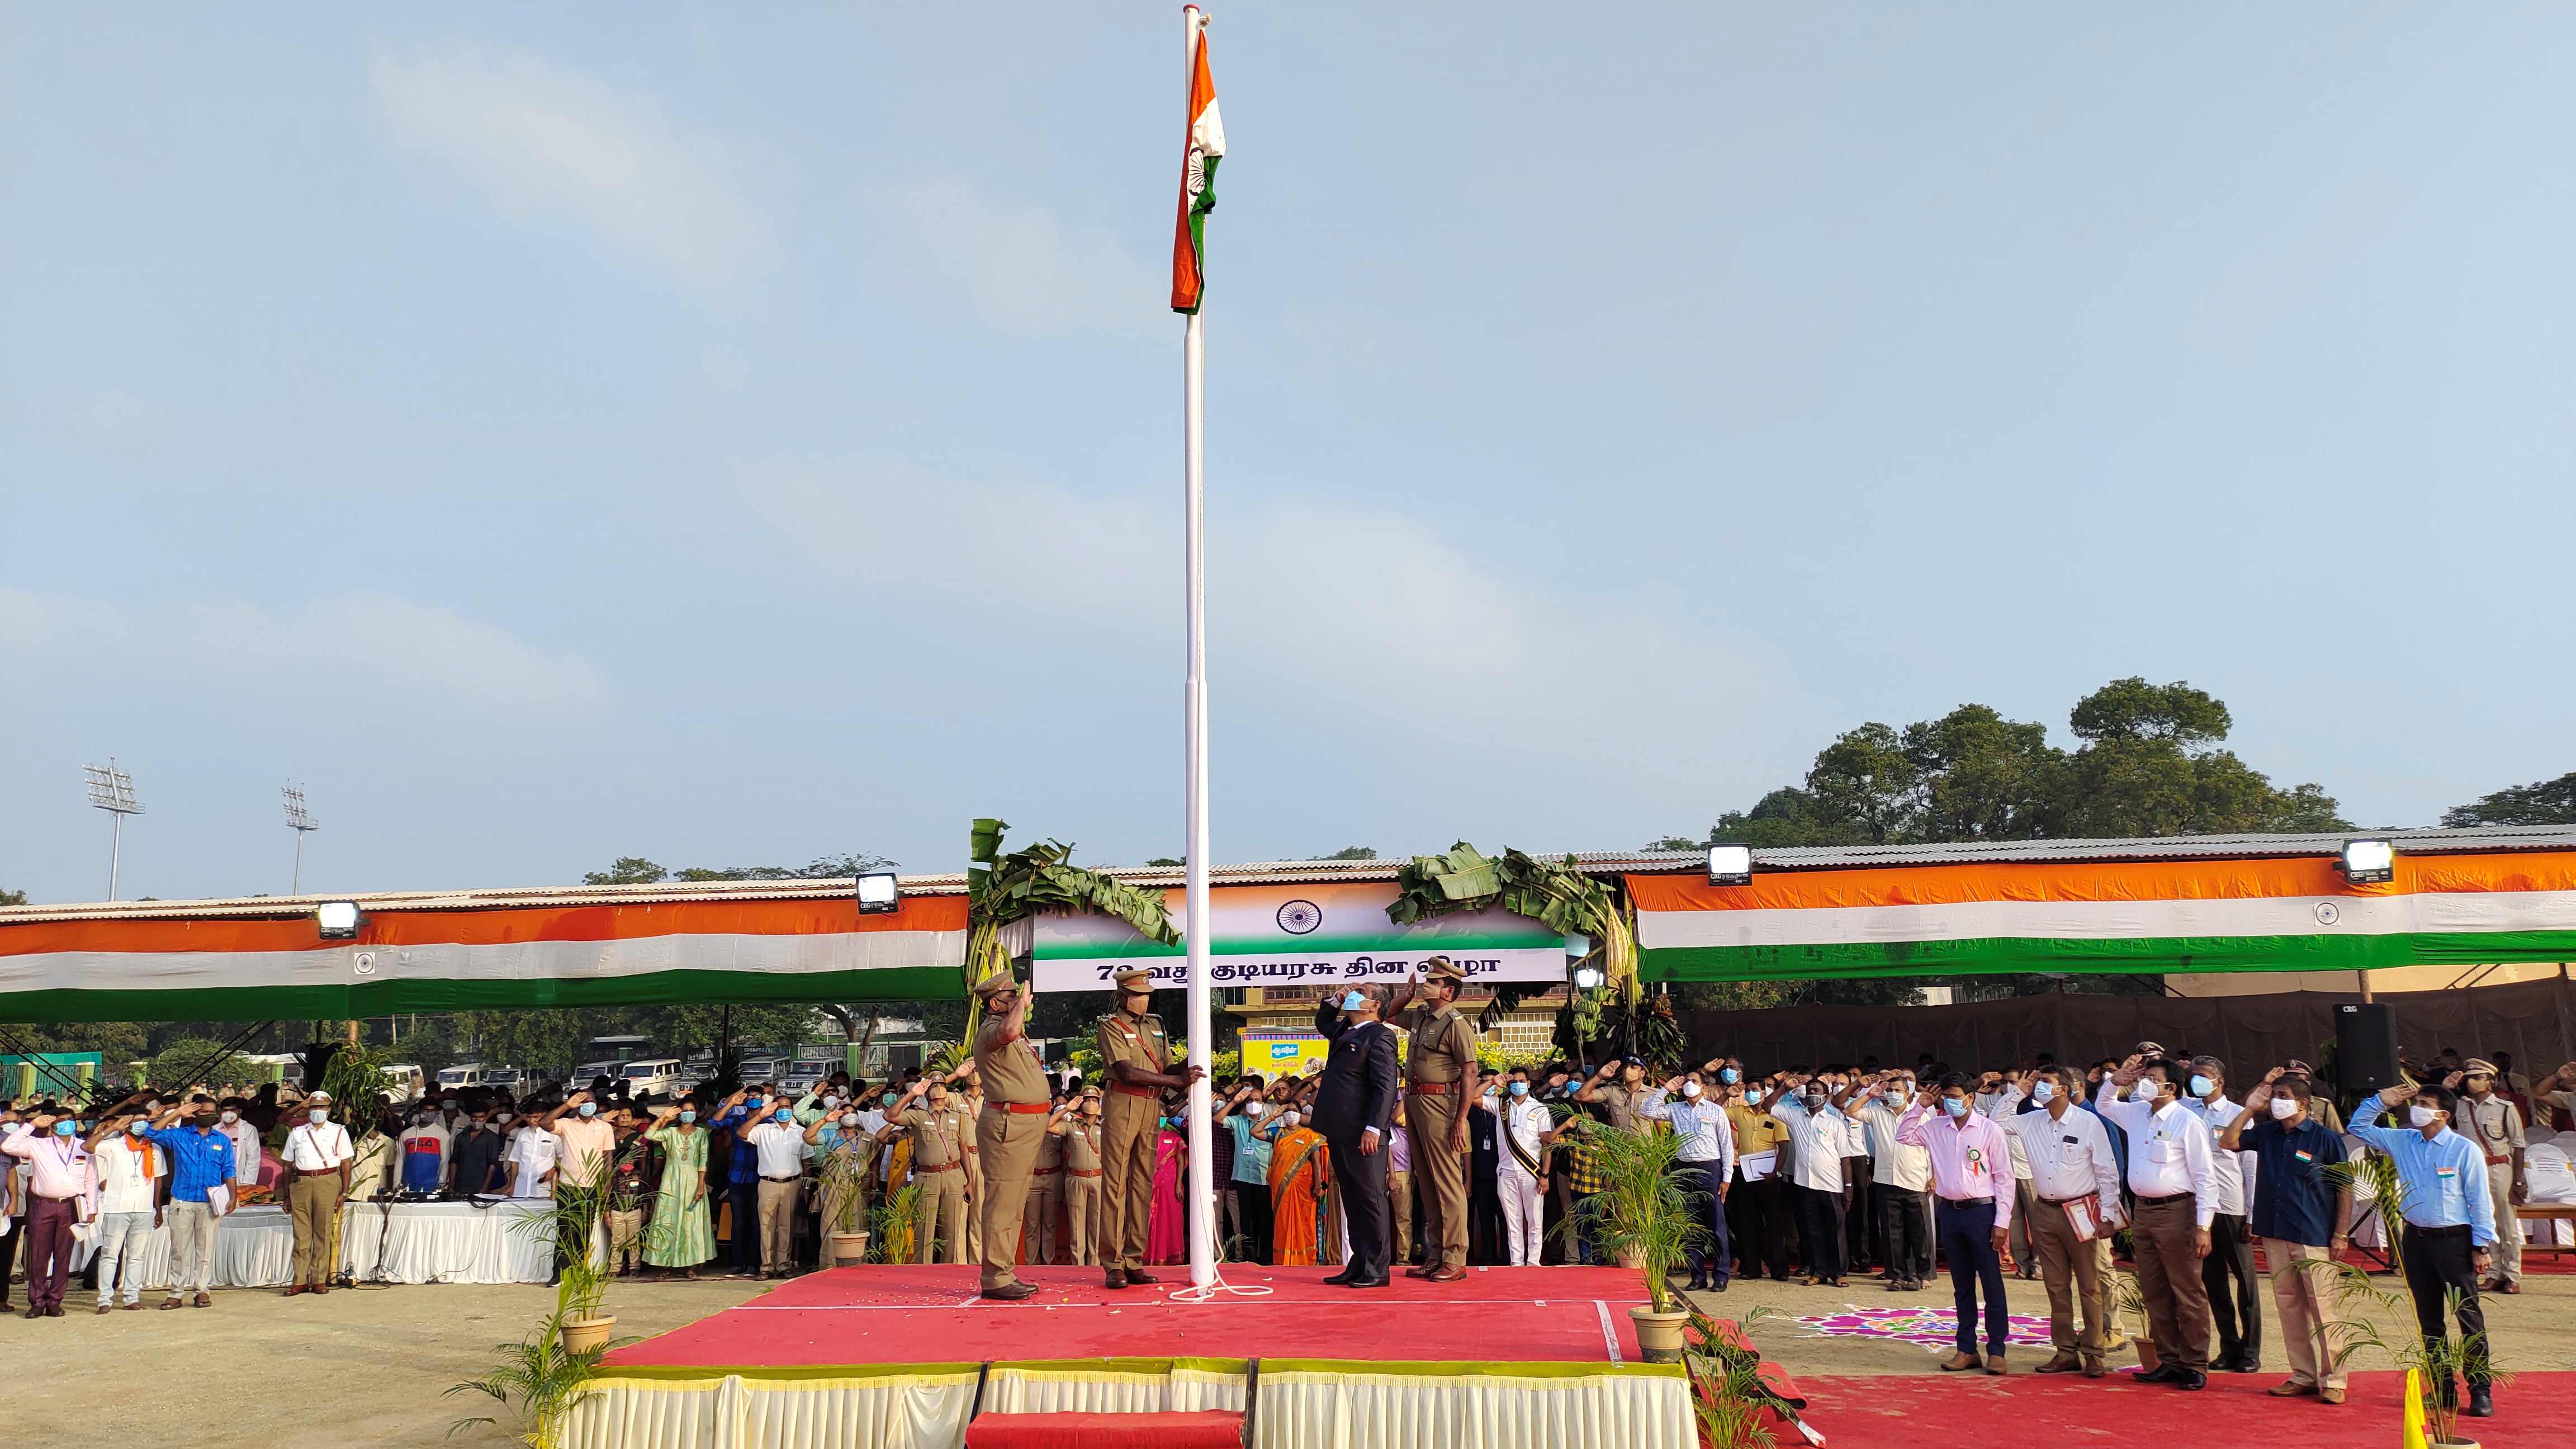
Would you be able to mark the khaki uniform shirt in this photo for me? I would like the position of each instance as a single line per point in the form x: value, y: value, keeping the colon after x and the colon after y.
x: 938, y: 1137
x: 1134, y: 1039
x: 1081, y: 1141
x: 2496, y: 1126
x: 1443, y: 1045
x: 1622, y: 1103
x: 1008, y: 1066
x: 1051, y: 1152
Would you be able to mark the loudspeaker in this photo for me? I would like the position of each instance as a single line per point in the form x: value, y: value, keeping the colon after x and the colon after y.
x: 2365, y: 1046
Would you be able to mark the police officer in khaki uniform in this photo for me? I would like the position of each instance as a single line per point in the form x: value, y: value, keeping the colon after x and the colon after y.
x: 1008, y: 1128
x: 2495, y: 1125
x: 939, y: 1134
x: 1136, y: 1056
x: 1080, y: 1134
x: 1439, y: 1082
x: 1046, y: 1186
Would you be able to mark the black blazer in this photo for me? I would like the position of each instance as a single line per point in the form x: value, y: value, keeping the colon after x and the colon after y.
x: 1358, y: 1089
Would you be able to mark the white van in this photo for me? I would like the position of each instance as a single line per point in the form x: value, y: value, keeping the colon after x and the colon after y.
x: 463, y: 1074
x: 405, y: 1082
x: 651, y: 1077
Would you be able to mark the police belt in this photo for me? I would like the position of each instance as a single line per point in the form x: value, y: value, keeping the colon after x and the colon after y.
x: 1431, y: 1089
x: 1132, y: 1091
x: 941, y: 1167
x: 1019, y: 1108
x: 1082, y: 1172
x: 1044, y: 1171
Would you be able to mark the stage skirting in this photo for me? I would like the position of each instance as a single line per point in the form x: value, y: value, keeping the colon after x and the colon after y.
x: 1301, y: 1403
x: 424, y: 1242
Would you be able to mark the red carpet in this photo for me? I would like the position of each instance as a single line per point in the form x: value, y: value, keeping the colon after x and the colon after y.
x: 2028, y: 1411
x: 908, y: 1314
x: 1105, y: 1431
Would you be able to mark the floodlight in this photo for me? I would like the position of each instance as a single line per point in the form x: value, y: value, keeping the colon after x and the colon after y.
x: 301, y: 821
x: 1587, y: 978
x: 339, y: 920
x: 879, y: 894
x: 2368, y: 862
x: 1730, y: 865
x: 112, y: 790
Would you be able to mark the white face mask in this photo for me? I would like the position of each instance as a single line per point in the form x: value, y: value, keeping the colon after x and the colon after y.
x: 2283, y: 1109
x: 1690, y: 1089
x: 2421, y: 1115
x: 849, y: 1120
x: 501, y: 1117
x: 231, y: 1116
x: 1288, y: 1119
x: 319, y: 1115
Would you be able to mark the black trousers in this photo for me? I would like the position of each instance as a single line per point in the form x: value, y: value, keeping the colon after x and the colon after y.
x: 1860, y: 1214
x: 2238, y: 1315
x: 746, y: 1225
x: 1252, y: 1205
x: 1966, y: 1232
x: 1905, y: 1231
x: 2438, y: 1260
x: 1364, y: 1208
x: 1754, y: 1219
x: 1820, y: 1223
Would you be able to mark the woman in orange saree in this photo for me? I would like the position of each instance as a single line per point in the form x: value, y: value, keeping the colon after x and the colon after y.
x: 1301, y: 1214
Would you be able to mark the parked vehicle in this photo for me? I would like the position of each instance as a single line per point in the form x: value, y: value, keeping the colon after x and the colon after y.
x: 405, y: 1081
x: 508, y: 1079
x: 652, y: 1077
x: 762, y: 1068
x: 463, y: 1074
x: 806, y: 1075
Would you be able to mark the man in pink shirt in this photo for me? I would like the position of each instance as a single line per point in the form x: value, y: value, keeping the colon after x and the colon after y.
x: 62, y: 1185
x: 1972, y: 1188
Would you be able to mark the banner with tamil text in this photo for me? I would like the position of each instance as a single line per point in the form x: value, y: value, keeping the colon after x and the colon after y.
x: 1299, y: 935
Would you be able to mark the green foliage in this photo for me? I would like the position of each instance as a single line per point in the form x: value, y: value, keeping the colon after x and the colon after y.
x: 1555, y: 894
x: 538, y: 1380
x: 1728, y: 1396
x: 12, y: 898
x: 2542, y: 802
x: 636, y: 870
x: 355, y: 1078
x: 1348, y: 852
x: 1640, y: 1215
x: 894, y: 1222
x: 191, y: 1060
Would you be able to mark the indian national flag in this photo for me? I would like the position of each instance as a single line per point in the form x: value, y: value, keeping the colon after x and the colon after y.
x: 1206, y: 145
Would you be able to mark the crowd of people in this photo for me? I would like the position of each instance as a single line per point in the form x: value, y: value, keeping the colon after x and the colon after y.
x: 1830, y: 1173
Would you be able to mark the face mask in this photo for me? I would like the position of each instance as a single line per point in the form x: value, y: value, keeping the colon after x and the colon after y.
x: 66, y: 1128
x: 2283, y: 1109
x: 1728, y: 1075
x: 782, y: 1114
x: 501, y: 1117
x: 1290, y: 1118
x: 2041, y: 1092
x: 885, y: 1099
x: 590, y: 1109
x: 2202, y: 1086
x: 1753, y: 1094
x: 2421, y: 1115
x: 447, y: 1106
x: 1352, y: 1001
x: 318, y: 1115
x: 1691, y: 1089
x: 688, y: 1116
x: 1955, y: 1106
x: 849, y: 1120
x: 231, y: 1116
x: 1815, y: 1100
x: 136, y: 1127
x: 937, y: 1103
x: 1520, y: 1089
x: 831, y: 1101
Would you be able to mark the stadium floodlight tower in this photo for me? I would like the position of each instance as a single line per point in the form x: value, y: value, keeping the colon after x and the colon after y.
x: 112, y: 790
x: 301, y: 821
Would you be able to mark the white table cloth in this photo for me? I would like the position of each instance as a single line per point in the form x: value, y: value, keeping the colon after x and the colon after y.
x: 420, y: 1242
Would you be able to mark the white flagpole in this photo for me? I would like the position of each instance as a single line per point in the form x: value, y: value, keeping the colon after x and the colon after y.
x: 1194, y: 911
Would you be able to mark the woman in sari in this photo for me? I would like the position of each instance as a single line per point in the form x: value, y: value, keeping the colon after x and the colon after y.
x: 1167, y: 1231
x: 1302, y: 1228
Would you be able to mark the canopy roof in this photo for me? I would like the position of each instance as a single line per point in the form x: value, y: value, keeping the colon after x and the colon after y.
x: 262, y: 957
x: 2201, y: 903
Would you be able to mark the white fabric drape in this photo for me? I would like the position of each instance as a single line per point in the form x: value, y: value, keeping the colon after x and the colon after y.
x: 424, y: 1242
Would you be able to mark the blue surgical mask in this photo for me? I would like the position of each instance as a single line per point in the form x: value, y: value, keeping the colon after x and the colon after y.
x: 66, y: 1128
x: 687, y: 1115
x: 590, y: 1109
x: 1727, y: 1075
x: 1520, y: 1089
x: 1753, y: 1094
x: 1955, y: 1106
x: 2202, y: 1086
x: 1353, y: 1001
x: 2041, y: 1092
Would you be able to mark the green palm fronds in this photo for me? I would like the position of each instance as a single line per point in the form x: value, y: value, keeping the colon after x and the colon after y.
x: 1640, y: 1214
x: 1553, y: 893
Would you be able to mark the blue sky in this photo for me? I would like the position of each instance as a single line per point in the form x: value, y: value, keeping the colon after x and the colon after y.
x: 734, y: 439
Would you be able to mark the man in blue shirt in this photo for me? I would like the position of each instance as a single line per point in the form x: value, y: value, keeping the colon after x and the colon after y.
x: 2450, y: 1222
x: 2303, y: 1216
x: 742, y: 1176
x: 201, y: 1158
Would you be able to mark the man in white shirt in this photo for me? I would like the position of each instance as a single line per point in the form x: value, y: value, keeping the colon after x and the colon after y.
x: 2075, y: 1203
x: 2170, y: 1171
x: 130, y: 1169
x: 317, y: 1159
x: 779, y: 1144
x: 245, y: 1138
x: 1707, y: 1155
x: 1902, y: 1177
x: 534, y: 1151
x: 2233, y: 1307
x: 1520, y: 1172
x: 1818, y: 1130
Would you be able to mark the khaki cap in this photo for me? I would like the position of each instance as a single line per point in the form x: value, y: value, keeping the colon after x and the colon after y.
x: 1091, y: 1094
x: 1001, y: 980
x: 1441, y: 968
x: 1138, y: 979
x: 2477, y: 1067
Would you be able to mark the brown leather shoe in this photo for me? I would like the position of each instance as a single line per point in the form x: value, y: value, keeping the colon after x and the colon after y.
x: 292, y: 1289
x: 2290, y: 1391
x: 105, y: 1308
x: 169, y: 1303
x: 1446, y: 1273
x: 205, y: 1301
x: 2063, y: 1361
x: 1995, y: 1365
x: 2095, y: 1368
x: 1961, y: 1363
x: 1117, y: 1277
x: 321, y: 1288
x: 1418, y: 1271
x: 2330, y: 1396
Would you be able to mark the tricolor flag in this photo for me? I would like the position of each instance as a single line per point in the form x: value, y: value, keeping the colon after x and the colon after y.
x: 1205, y: 146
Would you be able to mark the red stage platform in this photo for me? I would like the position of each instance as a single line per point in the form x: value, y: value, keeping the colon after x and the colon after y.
x: 930, y: 1314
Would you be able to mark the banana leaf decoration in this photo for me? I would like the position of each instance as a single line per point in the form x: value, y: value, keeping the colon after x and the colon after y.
x: 1003, y: 891
x: 1555, y: 894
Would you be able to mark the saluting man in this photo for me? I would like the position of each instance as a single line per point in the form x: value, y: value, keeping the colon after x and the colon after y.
x: 1439, y: 1081
x: 1081, y: 1137
x: 1046, y: 1186
x: 1008, y: 1129
x: 1137, y: 1057
x: 939, y: 1135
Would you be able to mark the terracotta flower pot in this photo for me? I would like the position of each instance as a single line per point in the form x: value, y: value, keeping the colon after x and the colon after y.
x: 849, y: 1247
x: 581, y: 1335
x: 1659, y: 1334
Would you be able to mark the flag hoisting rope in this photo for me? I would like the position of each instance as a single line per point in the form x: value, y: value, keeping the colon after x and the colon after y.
x: 1203, y: 143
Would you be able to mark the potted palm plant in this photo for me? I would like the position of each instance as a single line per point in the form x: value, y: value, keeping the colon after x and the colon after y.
x: 1640, y: 1216
x: 845, y: 1197
x: 571, y: 1226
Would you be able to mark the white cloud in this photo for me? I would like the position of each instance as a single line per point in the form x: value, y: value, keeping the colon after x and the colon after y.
x: 555, y: 143
x: 358, y: 643
x: 1026, y: 270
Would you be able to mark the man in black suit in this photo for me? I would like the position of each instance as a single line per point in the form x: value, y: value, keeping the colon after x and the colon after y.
x: 1354, y: 1108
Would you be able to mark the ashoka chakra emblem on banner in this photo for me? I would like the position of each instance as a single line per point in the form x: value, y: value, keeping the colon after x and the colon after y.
x: 1299, y: 917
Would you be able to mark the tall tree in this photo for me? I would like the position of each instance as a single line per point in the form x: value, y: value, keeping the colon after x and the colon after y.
x: 2542, y: 802
x: 12, y: 898
x: 1867, y: 778
x: 1983, y: 777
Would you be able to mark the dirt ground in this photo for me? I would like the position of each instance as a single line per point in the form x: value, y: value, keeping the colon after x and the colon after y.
x: 371, y: 1366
